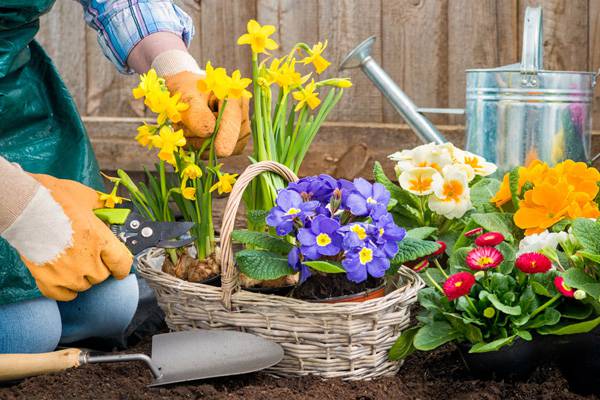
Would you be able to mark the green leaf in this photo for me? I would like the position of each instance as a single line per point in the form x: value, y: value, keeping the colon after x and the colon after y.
x: 576, y: 278
x: 593, y: 257
x: 462, y: 240
x: 457, y: 259
x: 576, y: 310
x: 525, y: 335
x: 587, y: 232
x: 498, y: 305
x: 262, y: 240
x: 549, y: 317
x: 434, y: 335
x: 257, y: 217
x: 492, y: 346
x: 570, y: 329
x: 402, y: 196
x: 403, y: 346
x: 509, y: 253
x: 326, y: 266
x: 421, y: 233
x: 496, y: 222
x: 513, y: 180
x: 411, y: 249
x: 482, y: 192
x: 540, y: 289
x: 263, y: 265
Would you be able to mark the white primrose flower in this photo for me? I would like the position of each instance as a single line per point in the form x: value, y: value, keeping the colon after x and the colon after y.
x: 477, y: 163
x: 541, y: 241
x: 426, y: 155
x: 451, y: 196
x: 419, y: 180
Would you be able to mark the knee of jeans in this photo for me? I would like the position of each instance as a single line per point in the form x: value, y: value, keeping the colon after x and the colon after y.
x: 32, y: 326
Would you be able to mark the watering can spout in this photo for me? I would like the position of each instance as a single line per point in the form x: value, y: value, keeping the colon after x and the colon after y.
x: 361, y: 58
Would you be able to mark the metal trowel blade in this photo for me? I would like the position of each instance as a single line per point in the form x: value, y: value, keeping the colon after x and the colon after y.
x: 201, y: 354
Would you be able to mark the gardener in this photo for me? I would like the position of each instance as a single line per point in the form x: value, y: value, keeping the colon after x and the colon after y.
x: 47, y: 292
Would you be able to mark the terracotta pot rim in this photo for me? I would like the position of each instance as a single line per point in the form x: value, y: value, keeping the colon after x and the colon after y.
x: 369, y: 294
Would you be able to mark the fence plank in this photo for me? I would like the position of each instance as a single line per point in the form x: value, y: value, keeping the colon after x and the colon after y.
x: 415, y: 52
x: 346, y: 23
x: 594, y: 53
x: 63, y: 37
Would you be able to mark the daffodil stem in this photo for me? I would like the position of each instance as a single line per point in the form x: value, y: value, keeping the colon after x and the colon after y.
x: 544, y: 306
x: 163, y: 179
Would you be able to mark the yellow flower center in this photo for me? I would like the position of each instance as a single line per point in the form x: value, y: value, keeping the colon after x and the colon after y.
x: 420, y: 184
x: 381, y: 231
x: 458, y: 284
x: 473, y: 162
x: 483, y: 261
x: 365, y: 255
x: 360, y: 231
x: 371, y: 200
x: 323, y: 239
x: 453, y: 190
x: 293, y: 211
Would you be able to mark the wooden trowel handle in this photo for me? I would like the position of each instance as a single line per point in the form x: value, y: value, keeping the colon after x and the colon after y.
x: 17, y: 366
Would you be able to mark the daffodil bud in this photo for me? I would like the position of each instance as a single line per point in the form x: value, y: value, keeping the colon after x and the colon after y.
x: 127, y: 181
x: 579, y: 294
x: 489, y: 312
x: 336, y: 82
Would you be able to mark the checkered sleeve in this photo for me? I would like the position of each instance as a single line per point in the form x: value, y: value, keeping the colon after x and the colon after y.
x: 121, y: 24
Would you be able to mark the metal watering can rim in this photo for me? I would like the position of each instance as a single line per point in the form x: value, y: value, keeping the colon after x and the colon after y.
x: 530, y: 66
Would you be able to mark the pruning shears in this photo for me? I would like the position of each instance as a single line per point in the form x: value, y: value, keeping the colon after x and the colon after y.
x: 138, y: 233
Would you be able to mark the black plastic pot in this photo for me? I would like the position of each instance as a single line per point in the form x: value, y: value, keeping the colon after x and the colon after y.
x: 279, y: 291
x: 579, y: 361
x: 516, y: 361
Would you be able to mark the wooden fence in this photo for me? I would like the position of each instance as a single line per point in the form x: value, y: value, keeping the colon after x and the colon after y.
x: 425, y: 45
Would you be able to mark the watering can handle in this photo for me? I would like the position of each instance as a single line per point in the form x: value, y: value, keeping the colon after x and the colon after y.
x: 533, y: 50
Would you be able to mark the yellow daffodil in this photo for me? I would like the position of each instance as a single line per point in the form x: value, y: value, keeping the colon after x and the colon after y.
x: 316, y: 59
x: 237, y: 86
x: 342, y: 83
x: 216, y: 81
x: 110, y: 199
x: 166, y: 106
x: 149, y: 83
x: 307, y: 95
x: 168, y: 141
x: 224, y: 184
x: 191, y: 171
x: 258, y: 37
x: 187, y: 192
x: 145, y: 134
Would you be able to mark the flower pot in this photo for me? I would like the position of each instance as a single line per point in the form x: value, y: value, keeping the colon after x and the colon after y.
x: 516, y: 361
x: 579, y: 361
x: 358, y: 297
x: 279, y: 291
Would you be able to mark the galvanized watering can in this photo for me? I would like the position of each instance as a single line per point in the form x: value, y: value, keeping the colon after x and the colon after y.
x: 515, y: 113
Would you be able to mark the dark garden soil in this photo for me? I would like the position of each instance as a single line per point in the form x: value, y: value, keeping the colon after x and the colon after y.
x: 319, y: 287
x: 438, y: 375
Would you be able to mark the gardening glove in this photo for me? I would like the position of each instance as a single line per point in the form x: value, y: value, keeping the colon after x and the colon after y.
x: 51, y: 223
x: 181, y: 73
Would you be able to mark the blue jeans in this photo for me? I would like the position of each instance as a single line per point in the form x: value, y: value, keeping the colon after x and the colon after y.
x: 39, y: 325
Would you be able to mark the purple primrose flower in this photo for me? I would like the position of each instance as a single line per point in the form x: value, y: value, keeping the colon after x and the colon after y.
x: 387, y: 234
x: 295, y: 261
x: 290, y: 207
x: 368, y: 199
x: 322, y: 188
x: 321, y: 239
x: 364, y: 261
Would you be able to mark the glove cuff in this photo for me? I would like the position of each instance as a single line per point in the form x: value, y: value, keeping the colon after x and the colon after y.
x: 172, y: 62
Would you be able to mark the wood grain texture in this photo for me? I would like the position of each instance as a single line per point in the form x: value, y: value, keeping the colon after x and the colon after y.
x: 62, y: 34
x: 346, y: 23
x: 594, y: 53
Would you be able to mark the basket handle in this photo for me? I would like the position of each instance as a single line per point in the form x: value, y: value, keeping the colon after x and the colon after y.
x: 229, y: 275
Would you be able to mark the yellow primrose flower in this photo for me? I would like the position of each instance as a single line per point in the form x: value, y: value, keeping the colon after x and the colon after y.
x: 191, y: 171
x: 110, y: 199
x: 307, y: 95
x: 224, y: 184
x: 216, y: 81
x: 258, y: 37
x: 237, y: 86
x: 149, y: 83
x: 166, y: 106
x: 168, y: 141
x: 316, y: 59
x: 145, y: 134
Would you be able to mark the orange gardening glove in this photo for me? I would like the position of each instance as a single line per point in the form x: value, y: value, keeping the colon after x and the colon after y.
x: 199, y: 119
x: 92, y: 252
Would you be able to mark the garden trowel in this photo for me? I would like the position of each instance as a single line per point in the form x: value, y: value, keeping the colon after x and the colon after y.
x: 176, y: 357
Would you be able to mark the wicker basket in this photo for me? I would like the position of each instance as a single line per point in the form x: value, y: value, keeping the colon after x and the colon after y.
x: 344, y: 340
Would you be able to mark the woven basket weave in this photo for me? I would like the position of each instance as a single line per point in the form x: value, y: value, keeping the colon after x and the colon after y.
x: 345, y: 340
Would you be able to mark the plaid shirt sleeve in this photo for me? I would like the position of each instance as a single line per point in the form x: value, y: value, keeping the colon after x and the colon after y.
x: 121, y: 24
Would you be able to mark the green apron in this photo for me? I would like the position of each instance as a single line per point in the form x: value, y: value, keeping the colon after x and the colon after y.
x: 40, y: 129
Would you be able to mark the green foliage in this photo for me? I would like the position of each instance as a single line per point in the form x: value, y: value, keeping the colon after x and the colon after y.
x: 421, y: 233
x: 434, y: 335
x: 263, y: 265
x: 257, y: 217
x: 570, y: 329
x: 587, y: 233
x: 262, y: 240
x: 576, y: 278
x: 397, y: 193
x: 513, y: 181
x: 411, y: 249
x: 326, y: 266
x: 482, y: 192
x: 403, y: 346
x: 494, y: 345
x: 496, y: 222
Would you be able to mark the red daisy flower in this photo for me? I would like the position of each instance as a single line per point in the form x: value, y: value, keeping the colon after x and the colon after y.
x: 489, y: 239
x: 533, y: 263
x: 441, y: 250
x: 458, y: 285
x: 481, y: 258
x: 567, y: 291
x: 474, y: 232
